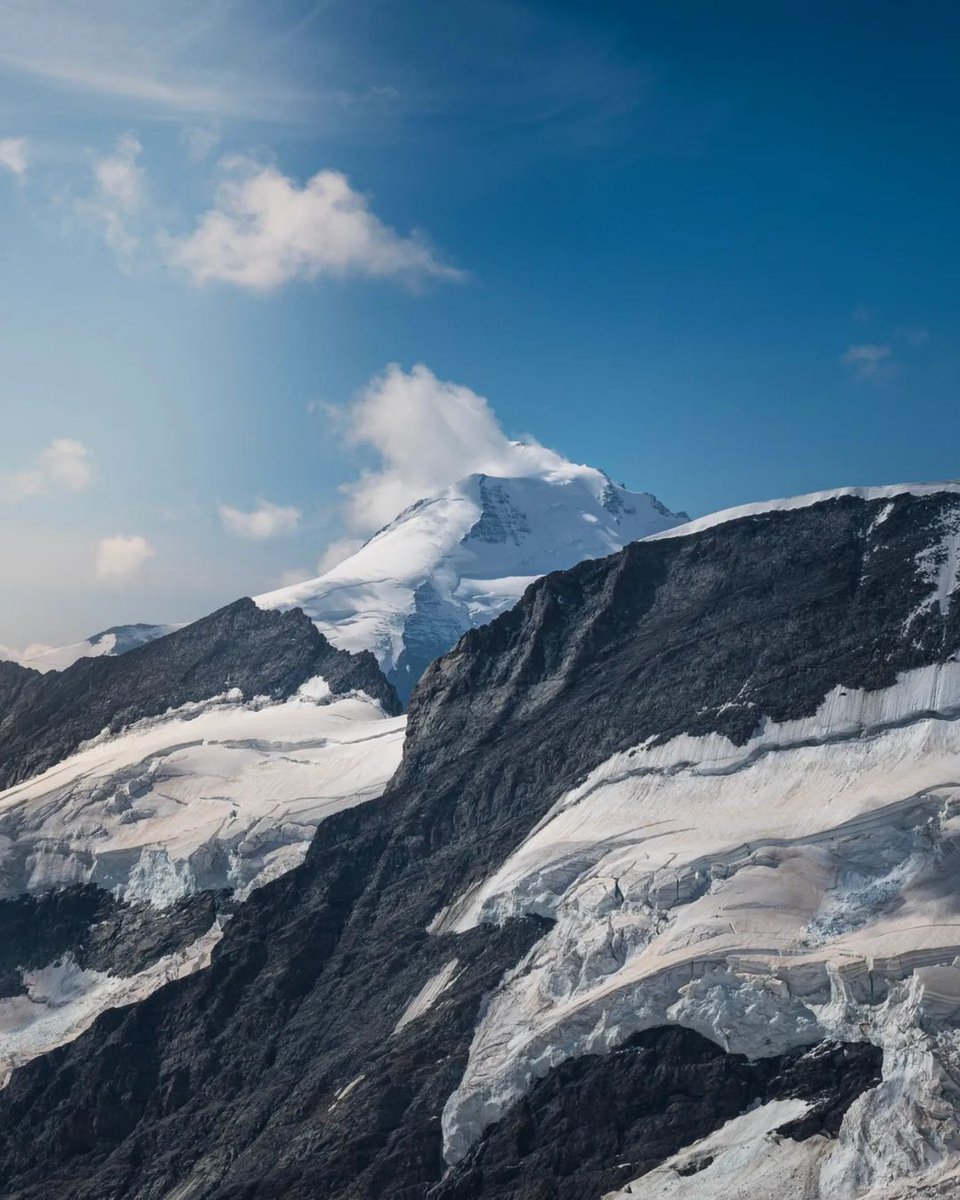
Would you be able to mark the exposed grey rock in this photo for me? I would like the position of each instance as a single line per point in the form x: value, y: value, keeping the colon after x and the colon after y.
x: 274, y: 1072
x: 43, y: 718
x: 595, y: 1123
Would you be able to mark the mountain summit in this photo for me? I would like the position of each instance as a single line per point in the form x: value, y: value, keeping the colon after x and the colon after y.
x: 458, y: 559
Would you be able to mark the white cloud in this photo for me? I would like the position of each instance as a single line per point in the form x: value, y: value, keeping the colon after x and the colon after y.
x: 23, y: 657
x: 267, y: 520
x: 265, y: 231
x: 63, y: 464
x: 13, y: 155
x: 869, y: 360
x: 294, y: 575
x: 428, y: 433
x: 119, y: 556
x: 120, y: 194
x: 199, y: 141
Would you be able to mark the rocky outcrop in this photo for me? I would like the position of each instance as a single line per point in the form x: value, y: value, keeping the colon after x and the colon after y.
x: 44, y: 718
x: 97, y: 931
x: 598, y: 1121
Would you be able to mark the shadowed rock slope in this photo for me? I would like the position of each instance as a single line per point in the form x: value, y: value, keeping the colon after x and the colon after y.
x: 280, y: 1071
x: 43, y: 718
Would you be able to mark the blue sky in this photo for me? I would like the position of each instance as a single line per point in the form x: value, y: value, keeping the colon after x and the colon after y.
x: 710, y: 249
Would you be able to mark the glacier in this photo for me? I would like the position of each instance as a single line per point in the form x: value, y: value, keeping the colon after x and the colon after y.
x: 223, y: 793
x: 217, y: 794
x: 771, y: 895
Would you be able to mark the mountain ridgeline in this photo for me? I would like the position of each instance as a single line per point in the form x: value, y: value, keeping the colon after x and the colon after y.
x: 347, y: 1038
x: 45, y: 717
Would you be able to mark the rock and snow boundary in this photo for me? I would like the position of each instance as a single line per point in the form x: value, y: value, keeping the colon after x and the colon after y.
x: 217, y: 795
x: 771, y: 895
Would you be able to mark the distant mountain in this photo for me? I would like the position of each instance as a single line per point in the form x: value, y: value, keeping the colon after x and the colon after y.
x: 448, y: 563
x: 454, y: 561
x: 116, y: 640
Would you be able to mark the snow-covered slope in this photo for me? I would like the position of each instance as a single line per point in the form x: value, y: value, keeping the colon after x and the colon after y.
x: 118, y: 639
x: 221, y: 794
x: 768, y: 895
x: 807, y: 500
x: 455, y: 561
x: 702, y: 791
x: 218, y: 794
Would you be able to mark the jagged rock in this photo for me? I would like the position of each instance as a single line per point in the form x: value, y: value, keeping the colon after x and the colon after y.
x: 43, y: 718
x: 596, y: 1122
x: 280, y: 1072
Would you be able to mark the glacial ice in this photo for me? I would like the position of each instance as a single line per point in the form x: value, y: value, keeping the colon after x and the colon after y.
x: 63, y: 1000
x: 218, y: 794
x: 769, y: 896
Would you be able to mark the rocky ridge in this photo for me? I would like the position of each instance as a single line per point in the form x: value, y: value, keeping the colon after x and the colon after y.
x: 348, y: 1001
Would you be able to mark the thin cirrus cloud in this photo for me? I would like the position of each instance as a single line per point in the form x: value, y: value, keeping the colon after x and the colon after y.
x: 868, y: 360
x: 265, y: 520
x: 13, y: 155
x: 121, y: 556
x: 264, y: 231
x: 64, y: 464
x: 162, y: 55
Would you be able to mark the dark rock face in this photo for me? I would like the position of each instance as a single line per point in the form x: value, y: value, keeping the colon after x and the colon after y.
x: 434, y: 624
x: 709, y: 633
x: 98, y: 931
x: 277, y: 1072
x: 43, y: 718
x: 595, y: 1123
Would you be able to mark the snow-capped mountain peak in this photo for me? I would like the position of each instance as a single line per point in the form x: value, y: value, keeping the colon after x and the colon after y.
x: 457, y: 559
x: 116, y: 640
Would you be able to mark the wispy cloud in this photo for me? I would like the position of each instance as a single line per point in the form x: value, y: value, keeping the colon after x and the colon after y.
x: 165, y: 55
x: 64, y: 464
x: 120, y: 556
x: 120, y: 194
x: 913, y: 336
x: 265, y: 230
x: 13, y: 155
x: 266, y: 520
x: 199, y: 141
x: 869, y: 360
x: 336, y: 552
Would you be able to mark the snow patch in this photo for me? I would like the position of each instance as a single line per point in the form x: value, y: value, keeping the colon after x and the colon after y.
x: 428, y: 995
x: 63, y: 1000
x: 743, y: 1160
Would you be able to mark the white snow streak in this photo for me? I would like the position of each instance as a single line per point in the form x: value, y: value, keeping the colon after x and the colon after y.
x: 428, y: 995
x: 63, y: 1000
